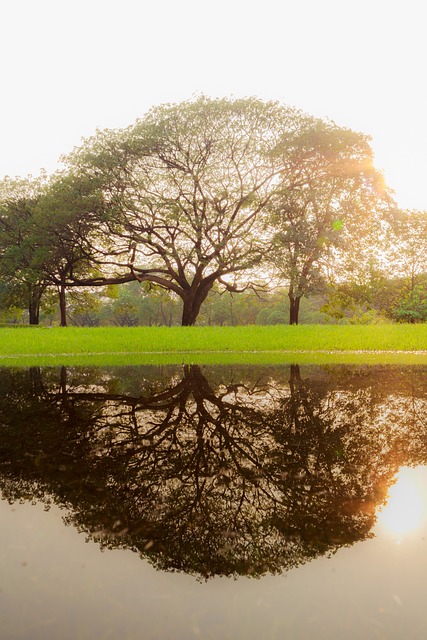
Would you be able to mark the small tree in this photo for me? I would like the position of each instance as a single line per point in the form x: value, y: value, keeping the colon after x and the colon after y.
x: 407, y: 245
x: 19, y: 246
x: 66, y: 223
x: 327, y: 208
x: 47, y: 236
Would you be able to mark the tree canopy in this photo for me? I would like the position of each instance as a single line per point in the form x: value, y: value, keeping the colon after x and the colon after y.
x: 184, y: 190
x: 21, y: 253
x: 333, y: 202
x: 224, y: 195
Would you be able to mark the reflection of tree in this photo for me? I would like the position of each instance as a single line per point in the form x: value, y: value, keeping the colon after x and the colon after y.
x: 256, y: 471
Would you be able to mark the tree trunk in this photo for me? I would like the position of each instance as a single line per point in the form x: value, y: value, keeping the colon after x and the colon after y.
x: 34, y: 304
x: 192, y: 301
x: 34, y: 311
x: 62, y: 305
x: 293, y: 308
x: 189, y: 313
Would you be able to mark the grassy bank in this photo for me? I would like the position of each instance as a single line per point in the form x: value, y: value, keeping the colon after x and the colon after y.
x: 305, y: 343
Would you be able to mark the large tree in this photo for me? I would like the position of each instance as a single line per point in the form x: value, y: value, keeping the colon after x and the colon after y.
x: 327, y: 209
x: 185, y: 188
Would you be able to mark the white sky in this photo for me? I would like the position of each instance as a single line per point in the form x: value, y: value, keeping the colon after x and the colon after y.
x: 69, y: 67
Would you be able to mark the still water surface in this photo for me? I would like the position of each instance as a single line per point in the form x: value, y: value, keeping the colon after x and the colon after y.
x: 213, y: 502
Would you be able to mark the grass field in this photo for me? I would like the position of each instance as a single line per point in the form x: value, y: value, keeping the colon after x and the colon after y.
x: 275, y: 344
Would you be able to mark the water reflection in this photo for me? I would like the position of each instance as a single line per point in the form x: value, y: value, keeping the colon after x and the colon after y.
x: 406, y: 505
x: 213, y: 471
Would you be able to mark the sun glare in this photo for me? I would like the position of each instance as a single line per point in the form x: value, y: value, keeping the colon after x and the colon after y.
x: 406, y: 506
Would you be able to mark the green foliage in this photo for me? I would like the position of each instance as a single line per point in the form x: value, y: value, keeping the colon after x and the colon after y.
x: 369, y: 296
x: 11, y: 316
x: 49, y: 308
x: 310, y: 312
x: 360, y: 316
x: 20, y: 245
x: 84, y: 308
x: 141, y: 305
x: 406, y: 244
x: 413, y: 307
x: 276, y: 317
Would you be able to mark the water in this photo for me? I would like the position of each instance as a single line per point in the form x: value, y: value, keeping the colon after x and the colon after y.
x: 213, y: 502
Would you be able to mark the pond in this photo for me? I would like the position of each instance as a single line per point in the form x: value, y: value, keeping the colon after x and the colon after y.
x: 213, y: 502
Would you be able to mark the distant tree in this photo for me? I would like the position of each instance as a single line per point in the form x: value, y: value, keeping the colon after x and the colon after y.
x: 412, y: 307
x: 392, y: 282
x: 85, y: 308
x: 11, y: 307
x: 133, y: 304
x: 329, y: 208
x: 184, y: 191
x: 368, y: 290
x: 276, y: 311
x: 407, y: 246
x: 12, y: 302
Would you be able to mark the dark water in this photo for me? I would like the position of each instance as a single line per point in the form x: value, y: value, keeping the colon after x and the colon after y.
x: 229, y: 502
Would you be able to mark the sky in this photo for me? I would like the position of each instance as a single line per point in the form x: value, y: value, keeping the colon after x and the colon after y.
x: 70, y: 67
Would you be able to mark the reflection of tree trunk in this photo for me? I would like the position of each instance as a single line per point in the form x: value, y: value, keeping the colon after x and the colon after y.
x: 196, y: 381
x: 36, y: 380
x: 295, y: 377
x: 63, y: 380
x: 62, y: 305
x: 294, y: 302
x: 294, y: 406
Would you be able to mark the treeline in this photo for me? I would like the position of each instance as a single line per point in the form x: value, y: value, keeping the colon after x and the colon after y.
x: 220, y: 211
x: 132, y: 304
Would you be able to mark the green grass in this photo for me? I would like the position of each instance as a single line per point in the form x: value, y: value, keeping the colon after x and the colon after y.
x: 139, y: 345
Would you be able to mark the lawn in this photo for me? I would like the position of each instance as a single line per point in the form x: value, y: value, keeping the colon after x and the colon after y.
x: 280, y: 343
